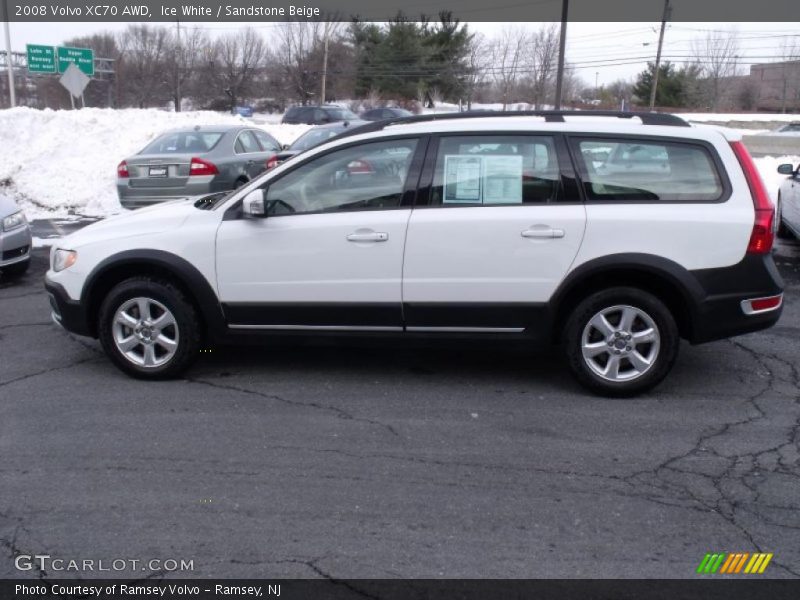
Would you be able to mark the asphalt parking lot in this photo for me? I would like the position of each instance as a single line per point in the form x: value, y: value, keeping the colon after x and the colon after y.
x: 395, y: 462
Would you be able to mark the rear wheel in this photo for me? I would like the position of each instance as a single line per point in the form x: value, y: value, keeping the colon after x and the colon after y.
x: 149, y: 329
x: 621, y: 341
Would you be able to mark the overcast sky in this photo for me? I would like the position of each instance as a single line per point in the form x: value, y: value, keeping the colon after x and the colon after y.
x: 601, y: 51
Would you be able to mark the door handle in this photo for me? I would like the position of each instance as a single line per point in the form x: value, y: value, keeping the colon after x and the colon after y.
x: 543, y: 232
x: 368, y: 236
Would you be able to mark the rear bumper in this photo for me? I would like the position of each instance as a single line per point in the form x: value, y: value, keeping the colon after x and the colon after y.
x: 68, y: 313
x: 720, y: 313
x: 132, y: 196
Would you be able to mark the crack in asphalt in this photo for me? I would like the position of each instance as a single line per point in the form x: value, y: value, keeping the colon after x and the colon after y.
x: 46, y: 371
x: 736, y: 469
x: 338, y: 412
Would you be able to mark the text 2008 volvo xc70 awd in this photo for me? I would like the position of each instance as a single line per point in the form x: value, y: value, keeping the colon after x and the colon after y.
x: 612, y: 237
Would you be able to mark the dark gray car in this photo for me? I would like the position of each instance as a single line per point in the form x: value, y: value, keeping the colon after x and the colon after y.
x: 193, y: 162
x: 15, y: 239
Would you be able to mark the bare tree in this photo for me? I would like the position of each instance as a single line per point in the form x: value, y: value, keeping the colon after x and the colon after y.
x: 185, y: 50
x: 508, y: 58
x: 296, y: 45
x: 543, y: 63
x: 477, y: 63
x: 240, y: 56
x: 718, y: 56
x: 144, y: 51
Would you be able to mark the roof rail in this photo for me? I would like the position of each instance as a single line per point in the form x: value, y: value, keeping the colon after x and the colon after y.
x: 550, y: 116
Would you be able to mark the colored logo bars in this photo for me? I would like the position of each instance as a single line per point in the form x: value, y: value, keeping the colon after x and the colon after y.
x: 734, y: 562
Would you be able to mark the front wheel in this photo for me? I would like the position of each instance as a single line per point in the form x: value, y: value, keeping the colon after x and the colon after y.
x: 149, y: 329
x: 621, y: 341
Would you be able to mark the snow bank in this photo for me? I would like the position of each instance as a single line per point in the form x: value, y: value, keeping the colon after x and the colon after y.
x: 61, y: 163
x: 768, y: 168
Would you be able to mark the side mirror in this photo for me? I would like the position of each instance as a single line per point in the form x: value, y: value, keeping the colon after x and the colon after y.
x: 254, y: 206
x: 786, y: 169
x: 285, y: 146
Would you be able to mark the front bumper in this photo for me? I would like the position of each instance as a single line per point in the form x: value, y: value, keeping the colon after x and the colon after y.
x: 68, y: 313
x: 15, y: 246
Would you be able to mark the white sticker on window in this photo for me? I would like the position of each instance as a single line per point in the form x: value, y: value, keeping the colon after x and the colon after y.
x: 502, y: 179
x: 462, y: 178
x: 471, y: 179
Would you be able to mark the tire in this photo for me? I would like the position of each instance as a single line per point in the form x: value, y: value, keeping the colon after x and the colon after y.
x: 17, y: 269
x: 169, y: 340
x: 782, y: 231
x: 239, y: 183
x: 594, y: 347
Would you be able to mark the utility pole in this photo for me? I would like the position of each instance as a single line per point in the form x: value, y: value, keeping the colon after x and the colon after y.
x: 324, y: 67
x: 664, y: 18
x: 562, y: 46
x: 12, y: 93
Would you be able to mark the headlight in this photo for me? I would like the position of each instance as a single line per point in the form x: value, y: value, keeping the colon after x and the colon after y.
x: 64, y: 259
x: 14, y: 221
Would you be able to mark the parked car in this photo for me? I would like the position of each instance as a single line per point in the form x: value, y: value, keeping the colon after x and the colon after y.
x: 788, y: 208
x: 493, y: 227
x: 379, y: 114
x: 15, y: 239
x: 192, y: 162
x: 318, y: 115
x: 314, y: 137
x: 792, y: 128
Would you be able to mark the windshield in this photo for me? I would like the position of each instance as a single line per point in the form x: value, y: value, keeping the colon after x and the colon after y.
x: 183, y: 142
x: 313, y: 138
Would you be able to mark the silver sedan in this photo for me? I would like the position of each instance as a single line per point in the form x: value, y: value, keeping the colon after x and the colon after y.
x: 193, y: 162
x: 788, y: 207
x: 15, y: 239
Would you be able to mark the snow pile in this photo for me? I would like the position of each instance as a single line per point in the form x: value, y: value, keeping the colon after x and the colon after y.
x: 60, y: 163
x: 768, y: 168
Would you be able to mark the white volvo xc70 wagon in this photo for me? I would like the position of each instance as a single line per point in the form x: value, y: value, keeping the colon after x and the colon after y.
x: 612, y: 235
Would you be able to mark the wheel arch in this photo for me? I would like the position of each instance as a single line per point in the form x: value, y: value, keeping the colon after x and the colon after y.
x: 156, y: 263
x: 670, y: 282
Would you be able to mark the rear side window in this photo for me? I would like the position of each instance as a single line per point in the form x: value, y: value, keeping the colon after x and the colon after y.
x: 648, y: 170
x: 496, y: 170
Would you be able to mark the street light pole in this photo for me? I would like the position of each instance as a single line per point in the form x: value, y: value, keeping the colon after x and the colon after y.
x: 12, y: 94
x: 664, y: 18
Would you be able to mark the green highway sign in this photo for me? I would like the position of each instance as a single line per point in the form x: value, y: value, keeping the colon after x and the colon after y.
x: 83, y: 58
x: 41, y: 59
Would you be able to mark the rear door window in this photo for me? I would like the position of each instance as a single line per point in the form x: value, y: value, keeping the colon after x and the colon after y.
x: 496, y: 170
x: 268, y: 143
x: 246, y: 143
x: 647, y: 170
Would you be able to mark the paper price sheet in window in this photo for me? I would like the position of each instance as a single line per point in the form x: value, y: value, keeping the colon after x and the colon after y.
x: 470, y: 179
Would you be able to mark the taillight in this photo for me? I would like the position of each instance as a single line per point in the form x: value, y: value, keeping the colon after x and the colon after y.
x: 272, y: 162
x: 763, y: 235
x: 122, y: 169
x: 199, y: 166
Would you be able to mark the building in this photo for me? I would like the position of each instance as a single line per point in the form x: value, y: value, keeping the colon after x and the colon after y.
x: 777, y: 85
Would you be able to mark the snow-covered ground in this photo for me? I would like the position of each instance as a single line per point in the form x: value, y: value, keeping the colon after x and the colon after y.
x: 61, y: 163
